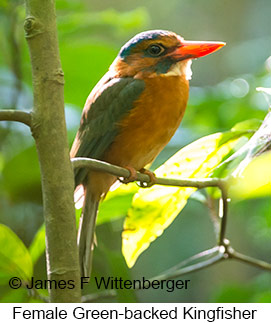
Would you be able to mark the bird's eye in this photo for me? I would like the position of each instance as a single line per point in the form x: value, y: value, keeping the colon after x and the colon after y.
x: 155, y: 50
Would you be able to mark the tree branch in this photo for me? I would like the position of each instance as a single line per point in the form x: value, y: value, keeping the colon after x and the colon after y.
x: 192, y: 268
x: 249, y: 260
x: 223, y: 212
x: 50, y: 134
x: 16, y: 115
x: 102, y: 166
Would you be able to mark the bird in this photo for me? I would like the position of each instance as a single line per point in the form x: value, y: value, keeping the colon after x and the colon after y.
x: 130, y: 116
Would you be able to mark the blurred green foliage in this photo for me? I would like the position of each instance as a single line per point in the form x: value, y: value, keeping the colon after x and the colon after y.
x: 222, y: 94
x: 14, y: 258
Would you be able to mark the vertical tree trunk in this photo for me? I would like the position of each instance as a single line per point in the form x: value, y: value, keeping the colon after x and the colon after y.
x: 49, y: 131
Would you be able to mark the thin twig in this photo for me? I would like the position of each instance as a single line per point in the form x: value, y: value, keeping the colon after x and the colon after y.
x: 192, y: 268
x: 206, y: 253
x: 102, y: 166
x: 249, y: 260
x: 224, y: 253
x: 166, y: 276
x: 16, y: 115
x: 211, y: 205
x: 223, y: 212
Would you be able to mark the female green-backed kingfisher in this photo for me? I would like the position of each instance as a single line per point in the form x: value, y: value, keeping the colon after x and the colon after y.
x: 131, y: 114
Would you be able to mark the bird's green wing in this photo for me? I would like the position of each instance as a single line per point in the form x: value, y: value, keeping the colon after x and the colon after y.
x: 107, y: 104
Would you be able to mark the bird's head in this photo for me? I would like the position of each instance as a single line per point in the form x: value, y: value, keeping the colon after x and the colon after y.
x: 159, y: 52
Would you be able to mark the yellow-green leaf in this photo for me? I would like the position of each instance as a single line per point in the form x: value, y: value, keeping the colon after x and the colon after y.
x: 15, y: 259
x: 154, y: 209
x: 255, y: 180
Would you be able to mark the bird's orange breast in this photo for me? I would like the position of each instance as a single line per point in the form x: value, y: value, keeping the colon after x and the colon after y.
x: 151, y: 123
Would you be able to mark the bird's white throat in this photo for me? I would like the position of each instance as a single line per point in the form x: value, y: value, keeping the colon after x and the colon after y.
x: 181, y: 68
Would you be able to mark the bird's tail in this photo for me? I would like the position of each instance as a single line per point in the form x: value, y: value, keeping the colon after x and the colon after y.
x: 86, y: 232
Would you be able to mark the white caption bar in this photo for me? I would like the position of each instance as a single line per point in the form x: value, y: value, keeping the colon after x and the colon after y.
x: 152, y: 312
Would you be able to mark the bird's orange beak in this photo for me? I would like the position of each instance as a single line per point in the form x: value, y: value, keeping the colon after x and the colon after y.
x: 195, y: 49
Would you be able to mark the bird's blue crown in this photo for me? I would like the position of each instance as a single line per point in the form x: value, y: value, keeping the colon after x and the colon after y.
x: 137, y: 39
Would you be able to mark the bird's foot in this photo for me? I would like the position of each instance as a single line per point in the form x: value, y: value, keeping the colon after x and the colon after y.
x: 151, y: 175
x: 132, y: 177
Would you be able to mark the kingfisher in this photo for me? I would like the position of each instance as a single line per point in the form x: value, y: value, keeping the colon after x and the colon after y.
x: 130, y: 116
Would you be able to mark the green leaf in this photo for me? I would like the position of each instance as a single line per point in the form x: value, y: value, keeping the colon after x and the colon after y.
x: 256, y: 179
x: 257, y: 144
x: 226, y: 168
x: 37, y: 246
x: 251, y: 124
x: 117, y: 203
x: 154, y: 209
x: 15, y: 260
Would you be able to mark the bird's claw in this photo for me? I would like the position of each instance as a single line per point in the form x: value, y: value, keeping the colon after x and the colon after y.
x: 131, y: 178
x: 152, y: 178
